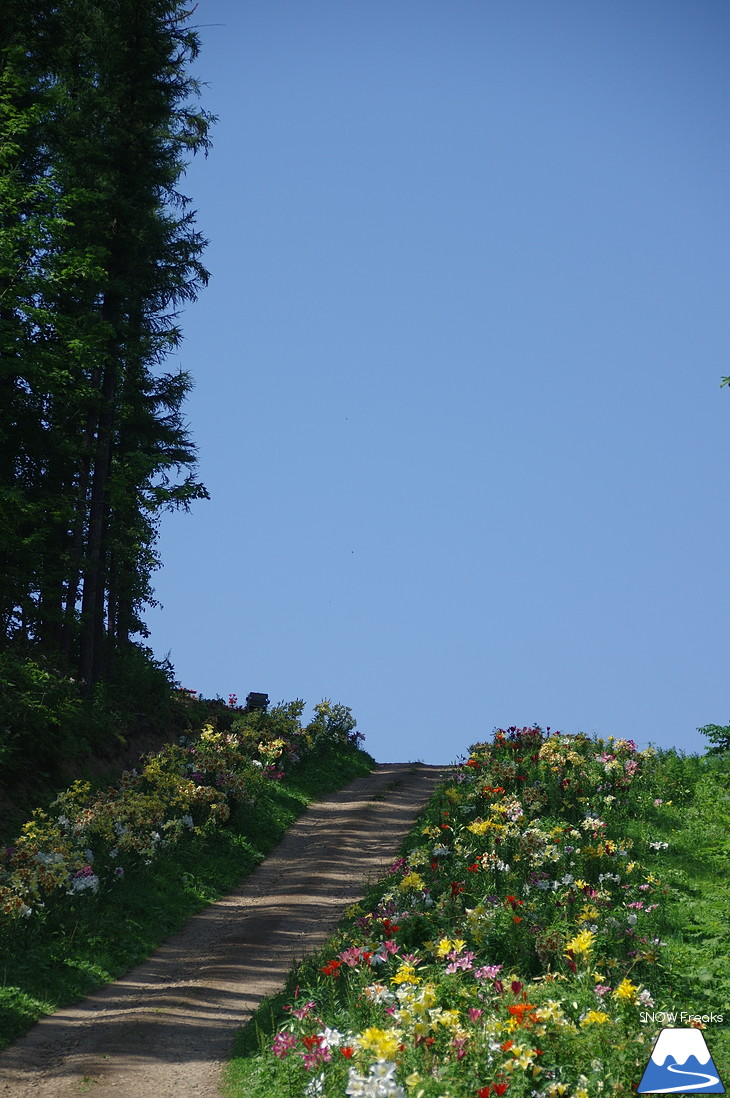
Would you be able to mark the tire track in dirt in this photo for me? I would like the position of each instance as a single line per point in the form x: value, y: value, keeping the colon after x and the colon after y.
x: 165, y: 1029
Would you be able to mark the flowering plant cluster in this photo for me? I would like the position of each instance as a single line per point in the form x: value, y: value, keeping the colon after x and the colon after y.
x: 508, y: 952
x: 87, y: 841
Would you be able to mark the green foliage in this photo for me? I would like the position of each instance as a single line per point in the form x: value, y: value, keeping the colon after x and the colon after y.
x: 39, y: 718
x: 718, y: 735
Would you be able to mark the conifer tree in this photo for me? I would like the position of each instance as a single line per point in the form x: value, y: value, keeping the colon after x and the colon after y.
x: 98, y: 252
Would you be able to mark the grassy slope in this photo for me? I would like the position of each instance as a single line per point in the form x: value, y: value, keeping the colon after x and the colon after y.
x: 695, y: 869
x: 39, y: 973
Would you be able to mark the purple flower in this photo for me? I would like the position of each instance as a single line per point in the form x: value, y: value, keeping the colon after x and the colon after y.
x: 283, y: 1044
x: 312, y: 1060
x: 487, y: 972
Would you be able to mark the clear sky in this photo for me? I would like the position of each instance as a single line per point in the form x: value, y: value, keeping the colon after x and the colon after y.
x: 458, y: 368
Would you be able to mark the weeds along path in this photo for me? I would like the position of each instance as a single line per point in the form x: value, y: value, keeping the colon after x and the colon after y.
x: 166, y: 1028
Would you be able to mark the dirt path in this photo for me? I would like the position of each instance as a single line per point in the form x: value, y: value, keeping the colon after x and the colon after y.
x: 165, y: 1029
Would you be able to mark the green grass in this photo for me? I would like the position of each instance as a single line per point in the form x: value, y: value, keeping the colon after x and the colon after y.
x: 695, y: 871
x: 96, y: 939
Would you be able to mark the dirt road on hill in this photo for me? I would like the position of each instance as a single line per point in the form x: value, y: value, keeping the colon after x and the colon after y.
x: 166, y: 1028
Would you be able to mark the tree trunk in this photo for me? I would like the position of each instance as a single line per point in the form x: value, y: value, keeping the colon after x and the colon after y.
x: 91, y: 656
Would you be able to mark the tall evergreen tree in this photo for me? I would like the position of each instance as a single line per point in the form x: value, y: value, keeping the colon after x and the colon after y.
x: 98, y: 251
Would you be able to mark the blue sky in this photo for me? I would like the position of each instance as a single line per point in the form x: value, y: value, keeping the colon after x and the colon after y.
x: 457, y: 369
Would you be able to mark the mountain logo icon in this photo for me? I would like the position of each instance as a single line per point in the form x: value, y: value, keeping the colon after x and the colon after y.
x: 681, y: 1063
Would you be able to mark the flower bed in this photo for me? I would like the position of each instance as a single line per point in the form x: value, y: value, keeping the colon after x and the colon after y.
x: 510, y: 951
